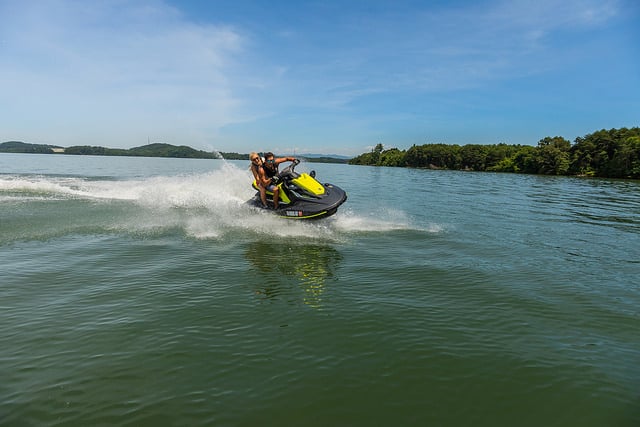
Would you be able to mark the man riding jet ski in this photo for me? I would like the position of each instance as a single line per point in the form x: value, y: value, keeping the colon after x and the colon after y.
x: 294, y: 195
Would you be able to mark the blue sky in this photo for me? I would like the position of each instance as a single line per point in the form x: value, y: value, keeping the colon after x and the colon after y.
x: 333, y: 77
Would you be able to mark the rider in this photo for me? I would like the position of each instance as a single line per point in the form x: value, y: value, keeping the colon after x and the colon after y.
x: 270, y: 168
x: 258, y: 173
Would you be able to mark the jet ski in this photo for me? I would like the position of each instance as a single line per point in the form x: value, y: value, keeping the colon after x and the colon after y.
x: 301, y: 196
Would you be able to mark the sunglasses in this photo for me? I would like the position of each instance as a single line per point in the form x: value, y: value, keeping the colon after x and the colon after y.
x: 270, y: 161
x: 255, y: 158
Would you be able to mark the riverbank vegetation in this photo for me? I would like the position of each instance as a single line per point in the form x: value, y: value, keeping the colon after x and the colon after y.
x: 613, y: 153
x: 150, y: 150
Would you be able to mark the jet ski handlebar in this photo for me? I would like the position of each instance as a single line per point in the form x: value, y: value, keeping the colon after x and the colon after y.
x: 289, y: 169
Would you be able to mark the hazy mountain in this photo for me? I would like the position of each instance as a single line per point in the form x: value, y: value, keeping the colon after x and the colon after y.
x: 149, y: 150
x: 333, y: 156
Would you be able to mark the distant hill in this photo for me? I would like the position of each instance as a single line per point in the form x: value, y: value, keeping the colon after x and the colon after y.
x: 312, y: 158
x: 149, y: 150
x: 168, y: 150
x: 324, y: 159
x: 23, y: 147
x: 333, y: 156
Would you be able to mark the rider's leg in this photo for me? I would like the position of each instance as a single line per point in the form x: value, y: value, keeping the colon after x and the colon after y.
x: 263, y: 196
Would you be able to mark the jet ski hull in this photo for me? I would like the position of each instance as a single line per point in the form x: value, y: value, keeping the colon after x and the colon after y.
x: 309, y: 208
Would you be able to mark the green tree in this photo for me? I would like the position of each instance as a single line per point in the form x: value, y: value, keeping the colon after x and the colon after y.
x: 606, y: 153
x: 632, y: 145
x: 525, y: 160
x: 415, y: 157
x: 392, y: 157
x: 553, y: 156
x: 474, y: 157
x: 376, y: 154
x: 497, y: 153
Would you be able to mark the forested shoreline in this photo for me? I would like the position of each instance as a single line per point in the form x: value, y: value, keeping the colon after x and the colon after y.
x: 613, y: 153
x: 149, y: 150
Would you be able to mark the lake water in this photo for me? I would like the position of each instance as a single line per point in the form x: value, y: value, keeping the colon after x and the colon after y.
x: 143, y: 292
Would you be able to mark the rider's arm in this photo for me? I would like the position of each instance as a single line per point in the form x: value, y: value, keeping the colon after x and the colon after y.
x: 284, y: 159
x: 258, y: 175
x: 262, y: 178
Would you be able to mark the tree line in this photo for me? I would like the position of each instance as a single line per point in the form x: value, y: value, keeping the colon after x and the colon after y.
x: 23, y: 147
x: 613, y: 153
x: 150, y: 150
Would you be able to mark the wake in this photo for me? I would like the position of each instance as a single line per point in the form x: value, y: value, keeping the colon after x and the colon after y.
x: 209, y: 205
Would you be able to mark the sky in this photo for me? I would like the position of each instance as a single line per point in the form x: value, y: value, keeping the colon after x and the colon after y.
x: 330, y: 77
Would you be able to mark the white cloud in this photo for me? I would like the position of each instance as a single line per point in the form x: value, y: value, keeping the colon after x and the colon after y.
x: 452, y: 48
x: 115, y: 70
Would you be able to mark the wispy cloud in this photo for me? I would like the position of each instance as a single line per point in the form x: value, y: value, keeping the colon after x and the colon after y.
x: 140, y: 68
x: 448, y: 48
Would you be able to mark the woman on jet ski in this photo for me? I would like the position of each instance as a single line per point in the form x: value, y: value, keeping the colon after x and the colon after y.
x: 259, y: 175
x: 270, y: 167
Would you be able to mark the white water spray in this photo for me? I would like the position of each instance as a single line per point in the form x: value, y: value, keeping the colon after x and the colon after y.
x: 205, y: 205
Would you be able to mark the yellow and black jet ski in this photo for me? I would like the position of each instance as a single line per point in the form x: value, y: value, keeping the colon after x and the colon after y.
x: 301, y: 196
